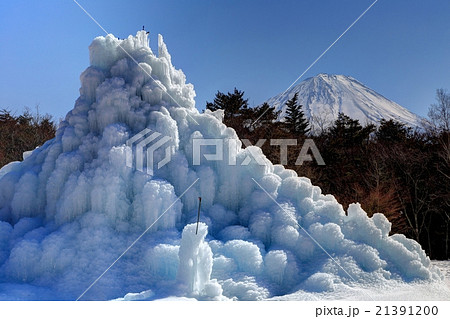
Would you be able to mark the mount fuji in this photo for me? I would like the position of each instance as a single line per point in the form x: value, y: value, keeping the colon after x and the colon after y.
x: 324, y: 96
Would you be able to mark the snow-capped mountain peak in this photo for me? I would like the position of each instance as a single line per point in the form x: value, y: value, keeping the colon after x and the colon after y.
x: 326, y: 95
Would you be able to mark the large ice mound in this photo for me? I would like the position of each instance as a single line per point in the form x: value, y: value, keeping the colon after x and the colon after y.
x: 73, y: 206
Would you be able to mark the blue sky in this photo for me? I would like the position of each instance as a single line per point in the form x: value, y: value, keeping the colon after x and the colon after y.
x: 400, y: 48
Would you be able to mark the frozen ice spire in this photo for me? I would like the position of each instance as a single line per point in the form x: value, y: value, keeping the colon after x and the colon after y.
x: 104, y: 52
x: 196, y: 261
x: 162, y: 49
x: 142, y: 37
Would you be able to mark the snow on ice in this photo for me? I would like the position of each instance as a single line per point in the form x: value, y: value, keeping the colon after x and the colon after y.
x: 72, y: 206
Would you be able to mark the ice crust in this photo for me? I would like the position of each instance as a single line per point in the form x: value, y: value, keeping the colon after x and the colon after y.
x: 73, y: 205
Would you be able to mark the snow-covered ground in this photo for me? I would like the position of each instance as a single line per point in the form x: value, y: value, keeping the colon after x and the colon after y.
x: 444, y: 267
x: 395, y: 291
x: 91, y: 194
x: 391, y: 291
x: 387, y: 291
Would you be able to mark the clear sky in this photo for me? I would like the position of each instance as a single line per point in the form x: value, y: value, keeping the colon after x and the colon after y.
x: 400, y: 48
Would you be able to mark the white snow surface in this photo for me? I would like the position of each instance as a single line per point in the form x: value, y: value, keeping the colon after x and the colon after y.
x: 326, y: 95
x: 444, y: 267
x: 73, y: 206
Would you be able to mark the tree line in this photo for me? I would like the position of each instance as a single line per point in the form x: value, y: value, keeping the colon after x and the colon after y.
x: 20, y: 133
x: 388, y: 168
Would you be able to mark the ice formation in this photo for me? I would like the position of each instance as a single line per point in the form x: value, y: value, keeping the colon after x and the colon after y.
x: 73, y: 205
x: 196, y: 261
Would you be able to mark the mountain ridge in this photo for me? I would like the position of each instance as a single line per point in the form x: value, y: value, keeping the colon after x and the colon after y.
x: 324, y: 96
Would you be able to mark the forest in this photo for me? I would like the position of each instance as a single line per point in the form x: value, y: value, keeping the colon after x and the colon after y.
x: 21, y: 133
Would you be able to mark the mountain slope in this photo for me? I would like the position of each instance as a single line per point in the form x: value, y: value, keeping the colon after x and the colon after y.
x: 325, y: 95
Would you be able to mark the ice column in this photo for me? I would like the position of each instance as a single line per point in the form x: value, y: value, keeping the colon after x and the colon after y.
x: 196, y: 261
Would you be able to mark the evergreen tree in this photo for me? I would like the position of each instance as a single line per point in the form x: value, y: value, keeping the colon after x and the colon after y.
x: 291, y: 112
x: 263, y: 121
x: 233, y: 104
x: 295, y: 119
x: 348, y: 132
x: 302, y: 123
x: 392, y: 131
x: 265, y: 114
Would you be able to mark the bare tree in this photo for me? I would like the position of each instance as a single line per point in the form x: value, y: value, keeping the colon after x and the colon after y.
x: 320, y: 122
x: 439, y: 113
